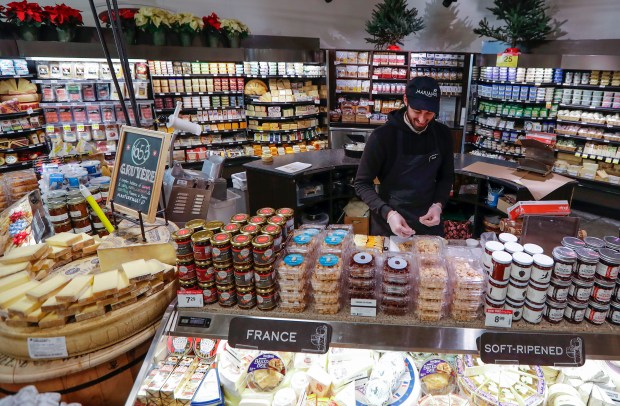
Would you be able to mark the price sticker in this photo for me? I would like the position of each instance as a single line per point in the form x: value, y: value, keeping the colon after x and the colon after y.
x: 616, y: 161
x: 80, y: 127
x: 49, y: 128
x: 190, y: 298
x: 66, y: 127
x: 374, y: 92
x: 30, y: 110
x: 95, y: 126
x: 317, y: 101
x: 608, y: 160
x: 507, y: 60
x: 375, y: 77
x: 498, y: 318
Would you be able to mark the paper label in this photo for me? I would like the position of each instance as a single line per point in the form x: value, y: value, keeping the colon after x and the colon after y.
x: 498, y: 318
x: 48, y: 347
x: 364, y: 311
x: 190, y: 298
x: 507, y: 60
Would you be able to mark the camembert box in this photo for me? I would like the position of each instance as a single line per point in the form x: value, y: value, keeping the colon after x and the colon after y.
x: 539, y: 208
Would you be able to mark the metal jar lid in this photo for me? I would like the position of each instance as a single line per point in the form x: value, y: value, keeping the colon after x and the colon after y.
x: 182, y: 234
x: 241, y: 240
x: 214, y: 226
x: 240, y: 218
x: 266, y: 212
x: 612, y: 242
x: 277, y: 220
x: 220, y: 239
x: 594, y: 243
x: 564, y: 254
x: 271, y: 229
x: 573, y: 242
x: 245, y: 289
x: 258, y: 220
x: 196, y: 223
x: 242, y: 268
x: 286, y: 212
x: 202, y: 237
x: 250, y: 229
x: 231, y: 228
x: 587, y: 255
x: 223, y: 265
x: 262, y: 241
x: 609, y: 255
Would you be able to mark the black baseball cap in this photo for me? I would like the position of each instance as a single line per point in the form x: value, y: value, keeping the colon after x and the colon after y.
x: 423, y: 93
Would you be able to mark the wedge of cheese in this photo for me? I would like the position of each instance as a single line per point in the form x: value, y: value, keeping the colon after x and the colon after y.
x: 87, y: 297
x: 157, y: 268
x: 11, y: 296
x: 91, y: 249
x: 14, y: 280
x: 16, y: 321
x: 23, y: 254
x: 137, y: 270
x: 90, y: 312
x: 74, y: 289
x: 43, y: 264
x: 105, y: 283
x: 59, y: 252
x: 6, y: 270
x: 52, y: 304
x: 36, y: 316
x: 63, y: 240
x: 70, y: 310
x: 52, y: 320
x: 124, y: 286
x: 85, y: 241
x: 48, y: 288
x: 23, y: 307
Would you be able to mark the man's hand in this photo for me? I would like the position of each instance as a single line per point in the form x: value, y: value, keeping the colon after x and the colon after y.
x: 433, y: 216
x: 398, y: 225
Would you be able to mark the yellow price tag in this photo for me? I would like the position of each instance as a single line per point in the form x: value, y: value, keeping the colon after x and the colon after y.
x: 616, y: 161
x: 49, y: 129
x: 95, y: 126
x: 608, y: 160
x: 66, y: 127
x: 507, y: 60
x: 80, y: 127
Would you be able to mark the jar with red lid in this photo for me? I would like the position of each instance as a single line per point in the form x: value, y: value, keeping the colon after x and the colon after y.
x: 614, y: 313
x: 603, y: 290
x: 289, y: 215
x: 501, y: 266
x: 276, y: 233
x: 205, y: 271
x: 266, y: 212
x: 209, y: 292
x: 241, y: 249
x: 541, y: 269
x: 594, y: 243
x: 587, y: 260
x: 521, y: 267
x: 246, y: 297
x: 262, y: 249
x: 489, y: 248
x: 580, y: 290
x: 224, y: 273
x: 258, y: 220
x: 183, y: 241
x: 250, y: 229
x: 186, y: 269
x: 244, y: 275
x: 221, y: 247
x: 264, y: 276
x: 58, y: 212
x: 63, y: 227
x: 575, y: 311
x: 565, y: 261
x: 596, y: 312
x: 279, y: 221
x: 608, y: 265
x: 266, y: 298
x: 558, y: 289
x: 78, y: 208
x: 82, y: 225
x: 231, y: 228
x: 201, y: 245
x: 227, y: 295
x: 554, y: 311
x: 240, y: 218
x: 573, y: 243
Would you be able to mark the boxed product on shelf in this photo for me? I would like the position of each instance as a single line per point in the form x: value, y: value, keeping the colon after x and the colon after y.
x: 398, y: 280
x: 469, y: 286
x: 432, y: 300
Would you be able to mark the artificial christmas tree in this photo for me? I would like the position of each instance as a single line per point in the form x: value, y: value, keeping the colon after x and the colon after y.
x: 391, y: 22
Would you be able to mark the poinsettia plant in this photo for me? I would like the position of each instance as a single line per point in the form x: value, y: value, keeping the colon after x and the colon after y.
x: 186, y: 23
x: 63, y: 16
x: 212, y: 24
x: 126, y: 17
x: 235, y: 27
x: 23, y: 13
x: 152, y: 19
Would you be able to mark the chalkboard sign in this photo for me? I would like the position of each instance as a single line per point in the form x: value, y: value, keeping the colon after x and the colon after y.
x: 138, y: 171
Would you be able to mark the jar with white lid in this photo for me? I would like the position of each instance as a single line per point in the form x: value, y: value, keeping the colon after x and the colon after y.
x: 521, y: 267
x: 516, y: 307
x: 575, y: 312
x: 533, y: 312
x: 507, y: 237
x: 517, y: 290
x: 573, y: 242
x: 512, y: 247
x: 594, y: 243
x: 489, y: 248
x: 542, y: 269
x: 612, y: 242
x: 536, y: 292
x: 587, y: 260
x: 532, y: 249
x: 608, y: 266
x: 565, y: 262
x: 501, y: 266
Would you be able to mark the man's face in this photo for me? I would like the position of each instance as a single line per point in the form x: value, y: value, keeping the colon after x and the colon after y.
x: 419, y: 119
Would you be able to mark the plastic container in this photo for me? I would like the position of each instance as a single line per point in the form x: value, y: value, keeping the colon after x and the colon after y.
x: 427, y: 245
x: 587, y: 261
x: 398, y: 269
x: 517, y: 290
x: 533, y: 312
x: 240, y: 181
x: 532, y: 249
x: 516, y: 307
x: 292, y: 267
x: 223, y: 210
x: 507, y: 237
x: 609, y: 264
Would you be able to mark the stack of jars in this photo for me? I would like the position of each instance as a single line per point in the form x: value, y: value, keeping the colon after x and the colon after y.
x: 70, y: 212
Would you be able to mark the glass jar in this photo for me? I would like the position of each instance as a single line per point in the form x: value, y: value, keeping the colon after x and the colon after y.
x: 104, y: 189
x: 250, y: 229
x: 214, y: 226
x: 532, y: 249
x: 82, y: 225
x: 221, y: 246
x: 573, y: 243
x: 580, y: 290
x: 232, y: 229
x: 186, y: 269
x: 603, y: 290
x: 516, y: 290
x: 266, y: 212
x: 227, y: 295
x: 58, y: 212
x: 565, y: 262
x: 596, y: 312
x: 507, y: 237
x: 258, y: 220
x: 575, y: 311
x: 536, y: 293
x: 187, y: 285
x: 554, y: 311
x: 558, y: 289
x: 96, y: 221
x: 516, y: 307
x: 262, y: 249
x: 489, y: 248
x: 276, y: 233
x: 587, y: 260
x: 246, y: 297
x: 183, y: 241
x: 209, y: 292
x: 63, y: 227
x: 95, y: 191
x: 279, y: 221
x: 224, y: 273
x: 493, y: 304
x: 205, y: 271
x: 594, y: 243
x: 533, y: 312
x: 196, y: 225
x: 608, y: 266
x: 264, y: 276
x: 541, y: 269
x: 614, y: 313
x: 201, y: 245
x: 244, y: 275
x: 496, y: 290
x: 241, y: 249
x: 78, y: 208
x: 266, y: 298
x: 502, y: 263
x: 512, y: 247
x: 521, y: 267
x: 612, y: 242
x: 289, y: 216
x: 241, y: 219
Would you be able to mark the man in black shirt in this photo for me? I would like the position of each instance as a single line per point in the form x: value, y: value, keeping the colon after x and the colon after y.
x: 412, y: 157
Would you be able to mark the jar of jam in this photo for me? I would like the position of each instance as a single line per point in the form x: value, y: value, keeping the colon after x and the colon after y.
x: 596, y: 312
x: 489, y: 248
x: 603, y: 290
x: 78, y: 208
x: 241, y: 219
x: 205, y: 271
x: 614, y: 313
x: 512, y: 247
x: 241, y: 249
x: 276, y: 233
x: 533, y: 312
x: 244, y: 275
x: 521, y: 267
x: 289, y: 216
x: 587, y: 260
x: 209, y: 292
x: 264, y: 276
x: 575, y: 311
x: 183, y: 240
x: 246, y: 297
x: 96, y: 193
x: 96, y: 221
x: 227, y: 295
x: 573, y: 243
x: 279, y: 221
x: 493, y: 304
x: 59, y: 213
x: 536, y: 293
x: 502, y: 263
x: 611, y: 242
x: 201, y: 245
x: 616, y: 295
x: 231, y: 228
x: 558, y: 289
x: 608, y: 266
x: 104, y: 189
x: 516, y: 307
x: 262, y: 249
x: 82, y: 225
x: 497, y: 290
x: 532, y: 249
x: 265, y: 212
x: 554, y: 311
x: 565, y: 261
x: 594, y: 243
x: 541, y: 269
x: 224, y: 273
x: 517, y: 290
x: 63, y: 227
x: 250, y: 229
x: 214, y: 226
x: 580, y: 290
x: 258, y: 220
x: 507, y: 237
x: 196, y: 225
x: 186, y: 269
x: 266, y: 298
x: 220, y: 244
x: 187, y: 285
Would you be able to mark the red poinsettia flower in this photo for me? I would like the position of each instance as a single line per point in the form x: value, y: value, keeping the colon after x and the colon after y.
x: 22, y: 12
x: 62, y: 15
x: 124, y: 14
x: 212, y: 22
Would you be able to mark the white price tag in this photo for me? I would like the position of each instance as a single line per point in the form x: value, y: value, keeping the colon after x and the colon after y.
x: 364, y: 307
x: 190, y: 298
x: 49, y: 128
x: 615, y: 161
x: 30, y: 110
x: 498, y: 318
x: 47, y: 348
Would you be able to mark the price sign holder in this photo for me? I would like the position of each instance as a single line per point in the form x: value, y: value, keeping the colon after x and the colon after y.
x: 508, y: 60
x: 190, y: 298
x: 498, y: 318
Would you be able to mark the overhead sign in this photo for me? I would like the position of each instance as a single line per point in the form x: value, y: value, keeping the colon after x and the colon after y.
x: 138, y: 171
x: 279, y: 335
x: 529, y: 349
x: 507, y: 60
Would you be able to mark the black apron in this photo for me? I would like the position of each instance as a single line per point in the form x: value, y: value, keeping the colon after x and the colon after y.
x: 409, y: 189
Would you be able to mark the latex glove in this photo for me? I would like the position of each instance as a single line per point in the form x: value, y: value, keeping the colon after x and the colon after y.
x: 398, y: 225
x: 433, y: 216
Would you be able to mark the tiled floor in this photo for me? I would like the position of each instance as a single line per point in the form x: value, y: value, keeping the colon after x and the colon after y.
x: 597, y: 226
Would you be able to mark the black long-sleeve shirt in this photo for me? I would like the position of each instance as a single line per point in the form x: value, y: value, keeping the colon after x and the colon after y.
x: 381, y: 151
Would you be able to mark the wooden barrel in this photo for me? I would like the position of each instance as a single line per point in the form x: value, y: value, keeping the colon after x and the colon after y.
x: 100, y: 378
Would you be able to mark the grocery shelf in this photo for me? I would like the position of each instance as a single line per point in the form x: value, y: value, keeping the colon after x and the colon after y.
x: 594, y: 157
x: 19, y: 165
x: 27, y: 147
x: 215, y: 132
x: 92, y: 103
x: 591, y: 181
x: 36, y: 112
x: 71, y: 81
x: 348, y: 63
x: 498, y: 152
x: 599, y: 140
x: 591, y: 87
x: 351, y: 77
x: 389, y: 66
x: 236, y: 120
x: 259, y: 103
x: 3, y: 77
x: 213, y: 144
x: 279, y: 142
x: 198, y: 93
x: 510, y: 82
x: 170, y: 110
x: 590, y: 108
x: 283, y: 131
x: 399, y: 333
x: 285, y: 76
x: 517, y: 118
x: 198, y: 75
x: 388, y: 79
x: 417, y: 65
x: 386, y: 94
x: 494, y: 139
x: 490, y: 127
x: 347, y: 92
x: 586, y: 124
x: 118, y: 122
x: 19, y: 132
x: 282, y: 118
x: 496, y: 99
